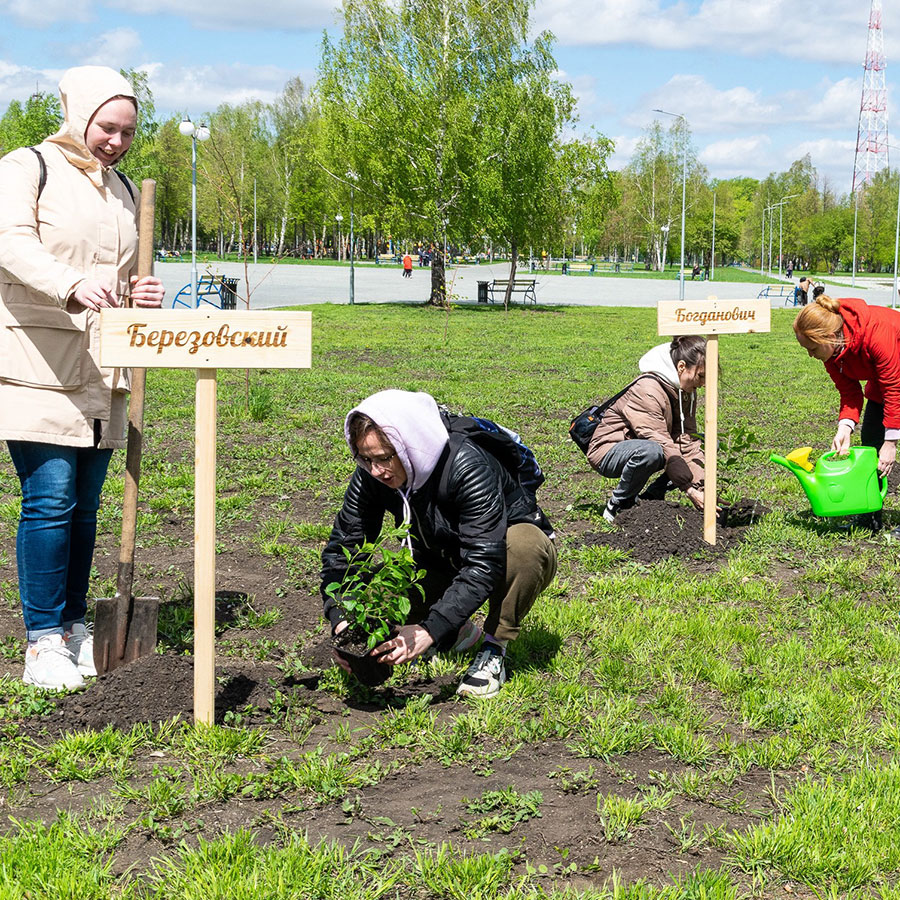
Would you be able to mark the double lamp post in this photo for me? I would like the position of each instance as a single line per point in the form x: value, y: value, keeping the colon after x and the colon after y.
x: 195, y: 133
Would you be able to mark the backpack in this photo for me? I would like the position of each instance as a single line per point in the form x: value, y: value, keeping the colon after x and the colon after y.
x: 583, y: 426
x: 42, y: 180
x: 503, y: 444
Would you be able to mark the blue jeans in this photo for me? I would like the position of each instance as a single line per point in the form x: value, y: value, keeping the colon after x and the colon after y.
x: 57, y: 529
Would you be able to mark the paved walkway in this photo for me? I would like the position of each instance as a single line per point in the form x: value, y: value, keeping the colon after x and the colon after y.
x: 290, y: 284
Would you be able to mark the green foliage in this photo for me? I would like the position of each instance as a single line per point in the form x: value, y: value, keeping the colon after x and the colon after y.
x: 373, y: 595
x: 500, y: 811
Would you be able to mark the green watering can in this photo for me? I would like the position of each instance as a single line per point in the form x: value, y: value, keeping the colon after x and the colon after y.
x: 838, y: 485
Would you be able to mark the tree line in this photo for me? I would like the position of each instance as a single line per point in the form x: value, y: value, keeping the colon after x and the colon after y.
x: 438, y: 123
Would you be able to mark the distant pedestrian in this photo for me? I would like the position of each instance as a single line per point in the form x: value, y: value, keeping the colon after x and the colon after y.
x: 790, y: 268
x: 407, y: 266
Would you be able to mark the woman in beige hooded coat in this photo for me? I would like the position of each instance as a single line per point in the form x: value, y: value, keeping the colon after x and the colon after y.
x: 68, y: 246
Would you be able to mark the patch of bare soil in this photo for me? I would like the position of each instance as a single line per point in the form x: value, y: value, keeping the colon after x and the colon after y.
x: 655, y: 530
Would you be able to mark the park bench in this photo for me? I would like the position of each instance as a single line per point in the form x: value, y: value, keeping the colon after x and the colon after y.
x: 770, y: 291
x: 214, y: 290
x: 689, y: 276
x: 523, y: 286
x: 386, y: 258
x: 580, y: 267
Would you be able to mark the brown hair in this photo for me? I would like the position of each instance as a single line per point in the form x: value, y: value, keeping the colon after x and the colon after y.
x: 360, y: 425
x: 690, y: 348
x: 820, y: 320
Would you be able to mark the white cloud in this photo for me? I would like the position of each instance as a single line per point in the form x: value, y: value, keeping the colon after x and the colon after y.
x: 42, y: 13
x: 707, y: 108
x: 116, y: 48
x: 200, y: 89
x: 737, y: 156
x: 19, y: 82
x: 791, y: 28
x: 282, y: 15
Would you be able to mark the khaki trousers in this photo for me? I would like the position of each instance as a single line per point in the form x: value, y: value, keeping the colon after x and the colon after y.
x: 530, y: 567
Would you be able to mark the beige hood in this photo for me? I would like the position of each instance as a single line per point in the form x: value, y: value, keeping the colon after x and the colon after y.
x: 83, y: 90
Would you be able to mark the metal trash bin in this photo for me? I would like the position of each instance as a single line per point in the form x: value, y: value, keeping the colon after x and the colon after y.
x: 228, y: 291
x: 483, y: 291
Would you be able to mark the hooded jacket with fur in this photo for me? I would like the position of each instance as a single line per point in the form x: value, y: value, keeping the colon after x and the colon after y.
x: 84, y: 226
x: 655, y: 408
x: 461, y: 534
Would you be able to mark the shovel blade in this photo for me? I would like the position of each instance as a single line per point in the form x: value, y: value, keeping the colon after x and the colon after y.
x: 140, y: 632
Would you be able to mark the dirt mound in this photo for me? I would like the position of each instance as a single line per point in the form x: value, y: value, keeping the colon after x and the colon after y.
x: 657, y: 529
x: 158, y: 688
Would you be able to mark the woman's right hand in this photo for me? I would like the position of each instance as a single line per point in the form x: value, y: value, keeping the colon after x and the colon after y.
x: 95, y: 295
x: 695, y: 495
x: 841, y: 443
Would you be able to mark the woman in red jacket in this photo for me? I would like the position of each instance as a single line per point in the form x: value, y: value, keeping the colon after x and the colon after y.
x: 858, y: 342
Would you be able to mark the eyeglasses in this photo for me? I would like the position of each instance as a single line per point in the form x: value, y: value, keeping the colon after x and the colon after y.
x: 370, y: 462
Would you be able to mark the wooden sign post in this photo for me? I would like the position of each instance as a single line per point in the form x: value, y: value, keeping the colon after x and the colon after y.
x: 205, y: 341
x: 712, y: 317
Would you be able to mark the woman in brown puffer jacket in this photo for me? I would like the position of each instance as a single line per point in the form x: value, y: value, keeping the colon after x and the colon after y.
x: 652, y: 427
x: 68, y: 247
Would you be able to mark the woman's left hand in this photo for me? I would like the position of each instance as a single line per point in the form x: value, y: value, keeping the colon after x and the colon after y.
x: 886, y: 456
x: 407, y: 642
x: 148, y: 292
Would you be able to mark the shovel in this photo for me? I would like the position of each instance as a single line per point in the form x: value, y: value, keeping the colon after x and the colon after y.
x: 125, y: 626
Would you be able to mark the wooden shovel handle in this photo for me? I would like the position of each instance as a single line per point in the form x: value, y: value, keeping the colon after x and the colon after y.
x: 136, y: 407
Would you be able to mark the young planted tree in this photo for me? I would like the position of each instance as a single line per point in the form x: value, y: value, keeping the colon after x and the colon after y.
x: 410, y: 94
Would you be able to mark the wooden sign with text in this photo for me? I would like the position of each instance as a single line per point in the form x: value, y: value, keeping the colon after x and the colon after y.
x: 713, y: 316
x: 198, y: 339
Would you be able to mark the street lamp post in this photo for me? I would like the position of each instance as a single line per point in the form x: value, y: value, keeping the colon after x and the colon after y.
x: 195, y: 133
x: 855, y: 217
x: 712, y: 254
x: 683, y: 197
x: 896, y: 245
x: 340, y: 249
x: 352, y: 177
x: 780, y: 227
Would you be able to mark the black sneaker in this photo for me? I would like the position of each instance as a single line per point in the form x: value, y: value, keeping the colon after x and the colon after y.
x: 614, y: 507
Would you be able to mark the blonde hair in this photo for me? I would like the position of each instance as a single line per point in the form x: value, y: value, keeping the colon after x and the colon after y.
x: 820, y: 321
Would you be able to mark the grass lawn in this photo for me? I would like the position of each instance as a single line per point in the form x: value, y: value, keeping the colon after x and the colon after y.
x: 718, y: 726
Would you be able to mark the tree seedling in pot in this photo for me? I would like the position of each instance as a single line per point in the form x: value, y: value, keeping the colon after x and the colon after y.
x: 373, y: 595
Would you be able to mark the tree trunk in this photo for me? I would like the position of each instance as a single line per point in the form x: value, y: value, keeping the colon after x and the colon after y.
x: 513, y: 258
x: 438, y: 283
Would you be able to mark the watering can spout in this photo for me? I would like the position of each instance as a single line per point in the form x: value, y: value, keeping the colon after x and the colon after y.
x: 798, y: 463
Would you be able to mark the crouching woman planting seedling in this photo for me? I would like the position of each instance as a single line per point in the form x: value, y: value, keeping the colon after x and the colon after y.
x: 373, y: 598
x: 479, y: 537
x: 650, y: 427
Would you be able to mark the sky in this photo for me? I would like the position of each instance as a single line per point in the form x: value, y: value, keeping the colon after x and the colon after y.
x: 760, y: 82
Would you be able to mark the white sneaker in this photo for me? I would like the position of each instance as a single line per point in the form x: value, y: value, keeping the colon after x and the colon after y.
x: 485, y: 676
x: 80, y: 641
x: 48, y: 664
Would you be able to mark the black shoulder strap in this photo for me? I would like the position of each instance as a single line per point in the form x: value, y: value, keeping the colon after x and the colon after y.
x: 603, y: 407
x: 42, y: 180
x: 126, y: 182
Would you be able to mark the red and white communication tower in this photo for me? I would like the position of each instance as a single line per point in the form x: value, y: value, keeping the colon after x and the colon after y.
x: 872, y: 134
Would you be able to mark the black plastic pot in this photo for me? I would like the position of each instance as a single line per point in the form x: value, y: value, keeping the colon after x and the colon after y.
x: 366, y: 668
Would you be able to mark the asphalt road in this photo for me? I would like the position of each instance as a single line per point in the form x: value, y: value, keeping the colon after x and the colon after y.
x: 291, y: 284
